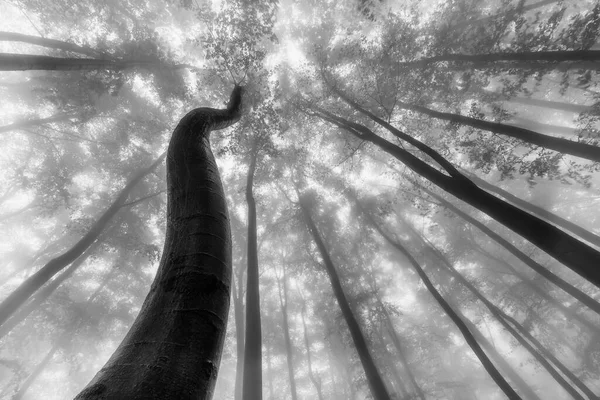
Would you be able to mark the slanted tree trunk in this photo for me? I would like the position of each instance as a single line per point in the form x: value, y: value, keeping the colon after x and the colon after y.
x: 49, y: 43
x: 20, y: 295
x: 173, y: 349
x: 283, y: 301
x: 468, y: 336
x: 376, y: 384
x: 539, y: 211
x: 528, y: 101
x: 24, y: 124
x: 576, y: 255
x: 252, y: 382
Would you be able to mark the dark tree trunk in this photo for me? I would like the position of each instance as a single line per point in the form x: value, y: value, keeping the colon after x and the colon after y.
x: 35, y: 122
x: 49, y: 43
x: 539, y: 211
x: 576, y: 255
x: 564, y: 146
x: 544, y: 129
x: 20, y: 295
x: 376, y: 384
x: 558, y: 281
x: 29, y: 62
x: 173, y: 349
x: 283, y: 300
x: 469, y: 338
x: 252, y: 386
x: 532, y: 59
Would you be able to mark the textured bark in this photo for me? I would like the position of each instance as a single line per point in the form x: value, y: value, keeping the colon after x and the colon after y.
x: 173, y: 349
x: 561, y: 145
x: 20, y: 295
x: 283, y: 301
x: 49, y: 43
x: 540, y: 212
x: 540, y: 269
x: 524, y: 59
x: 376, y: 384
x: 28, y: 62
x: 252, y: 382
x: 576, y: 255
x: 467, y: 335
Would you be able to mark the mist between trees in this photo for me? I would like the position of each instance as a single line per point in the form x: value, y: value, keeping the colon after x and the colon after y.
x: 247, y: 200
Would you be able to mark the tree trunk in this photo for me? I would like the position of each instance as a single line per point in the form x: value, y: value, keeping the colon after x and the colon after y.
x: 587, y: 59
x: 270, y: 372
x: 238, y: 308
x: 36, y: 372
x: 378, y: 389
x: 469, y: 338
x: 283, y: 301
x: 544, y: 129
x: 252, y: 382
x: 539, y: 211
x: 173, y: 349
x: 528, y: 101
x: 558, y: 281
x: 35, y: 122
x: 20, y: 295
x: 561, y: 145
x: 566, y: 249
x: 311, y: 375
x: 50, y: 43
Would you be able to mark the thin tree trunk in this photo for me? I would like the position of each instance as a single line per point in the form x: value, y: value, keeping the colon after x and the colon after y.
x: 20, y: 295
x: 558, y: 281
x: 533, y: 59
x: 36, y: 122
x: 311, y: 375
x: 37, y: 372
x: 576, y: 255
x: 528, y: 101
x: 252, y: 382
x: 469, y: 338
x: 270, y: 372
x: 539, y: 211
x: 238, y: 308
x: 173, y: 349
x: 49, y: 43
x: 376, y: 384
x: 283, y: 300
x: 561, y: 145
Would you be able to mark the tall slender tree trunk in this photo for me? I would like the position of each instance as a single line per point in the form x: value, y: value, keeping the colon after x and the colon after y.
x: 49, y: 43
x: 283, y: 301
x: 469, y: 338
x: 270, y: 373
x: 316, y: 381
x: 252, y: 386
x: 539, y: 211
x: 238, y: 309
x: 20, y: 295
x: 173, y: 349
x: 376, y: 384
x: 576, y: 255
x: 528, y: 101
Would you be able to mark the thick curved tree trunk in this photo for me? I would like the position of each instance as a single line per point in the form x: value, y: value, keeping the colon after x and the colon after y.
x: 252, y: 382
x: 376, y: 384
x: 573, y: 253
x: 173, y: 349
x: 20, y: 295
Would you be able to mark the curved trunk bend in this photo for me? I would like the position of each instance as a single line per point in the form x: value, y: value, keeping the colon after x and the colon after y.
x: 173, y: 349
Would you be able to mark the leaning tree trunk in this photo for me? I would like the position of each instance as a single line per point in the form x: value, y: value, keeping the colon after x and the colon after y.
x: 376, y: 384
x: 574, y: 254
x: 173, y: 349
x: 252, y: 382
x: 20, y: 295
x: 37, y: 121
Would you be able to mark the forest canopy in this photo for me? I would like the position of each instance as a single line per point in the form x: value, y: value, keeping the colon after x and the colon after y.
x: 233, y: 199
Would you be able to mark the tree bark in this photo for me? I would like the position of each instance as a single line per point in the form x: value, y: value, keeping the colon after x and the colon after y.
x: 561, y: 145
x: 376, y: 384
x: 539, y: 211
x: 467, y: 335
x: 49, y: 43
x: 283, y: 300
x: 252, y: 382
x: 576, y: 255
x: 20, y: 295
x: 173, y: 349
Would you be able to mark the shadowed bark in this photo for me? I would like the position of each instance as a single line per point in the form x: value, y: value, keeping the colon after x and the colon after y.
x: 173, y: 349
